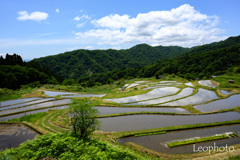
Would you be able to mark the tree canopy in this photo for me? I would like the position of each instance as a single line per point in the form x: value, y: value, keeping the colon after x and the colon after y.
x: 83, y: 117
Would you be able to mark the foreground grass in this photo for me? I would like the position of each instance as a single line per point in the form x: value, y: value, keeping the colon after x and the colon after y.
x: 65, y: 146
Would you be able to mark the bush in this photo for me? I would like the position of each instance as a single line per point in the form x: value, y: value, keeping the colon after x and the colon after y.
x: 62, y: 146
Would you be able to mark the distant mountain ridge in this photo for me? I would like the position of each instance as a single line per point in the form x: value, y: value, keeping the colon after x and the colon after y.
x: 199, y: 62
x: 81, y: 63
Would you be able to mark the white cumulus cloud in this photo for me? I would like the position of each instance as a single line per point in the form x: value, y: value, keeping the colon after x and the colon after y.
x: 182, y: 26
x: 36, y: 16
x: 83, y: 17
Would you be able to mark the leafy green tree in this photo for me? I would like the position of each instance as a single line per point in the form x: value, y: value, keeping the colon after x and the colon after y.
x: 83, y: 117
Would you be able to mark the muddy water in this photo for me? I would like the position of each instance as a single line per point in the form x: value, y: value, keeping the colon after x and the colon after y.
x: 185, y: 92
x: 112, y: 110
x: 41, y: 105
x: 158, y: 92
x: 203, y: 95
x: 226, y: 103
x: 159, y: 142
x: 13, y: 135
x: 139, y: 122
x: 6, y: 118
x: 11, y: 102
x: 26, y: 104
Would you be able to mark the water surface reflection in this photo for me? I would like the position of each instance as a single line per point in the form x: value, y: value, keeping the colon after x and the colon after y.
x: 159, y: 142
x: 226, y: 103
x: 203, y: 95
x: 139, y: 122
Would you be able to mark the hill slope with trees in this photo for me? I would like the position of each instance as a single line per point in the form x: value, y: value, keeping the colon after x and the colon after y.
x: 200, y: 62
x: 80, y: 63
x: 14, y: 73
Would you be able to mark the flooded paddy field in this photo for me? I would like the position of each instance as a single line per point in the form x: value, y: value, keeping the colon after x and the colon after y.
x: 11, y: 135
x: 201, y: 96
x: 230, y: 102
x: 113, y: 110
x: 71, y: 95
x: 11, y: 102
x: 6, y: 118
x: 189, y: 84
x: 207, y: 83
x: 27, y: 103
x: 41, y: 105
x: 158, y: 92
x: 139, y: 122
x: 185, y: 92
x: 159, y: 142
x: 226, y: 92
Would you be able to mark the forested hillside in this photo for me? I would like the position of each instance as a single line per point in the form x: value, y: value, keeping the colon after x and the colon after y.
x: 200, y: 62
x: 14, y: 73
x: 80, y: 63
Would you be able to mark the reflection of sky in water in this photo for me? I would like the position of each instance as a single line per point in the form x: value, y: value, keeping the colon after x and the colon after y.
x: 27, y: 103
x: 159, y: 142
x: 42, y: 105
x: 203, y: 95
x: 189, y: 84
x: 207, y: 83
x: 30, y: 112
x: 112, y: 110
x: 139, y: 122
x: 185, y: 92
x: 158, y: 92
x: 226, y: 92
x: 6, y: 103
x: 70, y: 94
x: 226, y: 103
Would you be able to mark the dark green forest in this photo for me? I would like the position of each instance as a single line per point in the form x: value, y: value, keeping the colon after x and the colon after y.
x: 14, y: 73
x: 81, y: 63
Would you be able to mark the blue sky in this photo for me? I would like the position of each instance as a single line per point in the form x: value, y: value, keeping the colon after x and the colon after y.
x: 47, y: 27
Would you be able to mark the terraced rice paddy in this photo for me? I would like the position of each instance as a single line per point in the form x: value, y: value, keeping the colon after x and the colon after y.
x: 114, y: 110
x: 18, y: 115
x: 203, y: 95
x: 128, y: 115
x: 185, y: 92
x: 26, y: 103
x: 230, y: 102
x: 36, y: 106
x: 207, y: 83
x: 11, y: 135
x: 6, y: 103
x: 159, y: 142
x: 159, y: 92
x: 71, y: 95
x: 140, y: 122
x: 226, y: 92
